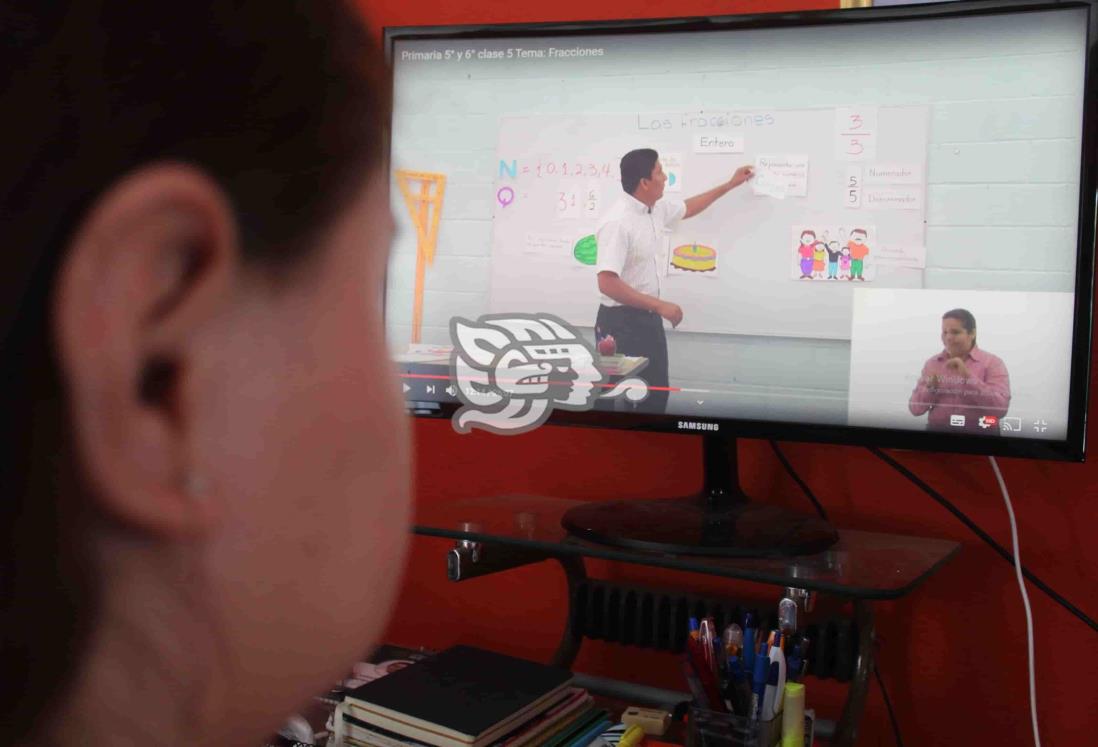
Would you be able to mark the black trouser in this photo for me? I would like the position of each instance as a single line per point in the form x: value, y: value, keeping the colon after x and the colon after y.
x: 639, y: 333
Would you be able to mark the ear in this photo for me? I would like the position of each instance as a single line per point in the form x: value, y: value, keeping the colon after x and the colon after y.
x: 152, y: 260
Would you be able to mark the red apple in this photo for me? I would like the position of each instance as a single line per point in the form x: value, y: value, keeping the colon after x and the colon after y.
x: 608, y: 345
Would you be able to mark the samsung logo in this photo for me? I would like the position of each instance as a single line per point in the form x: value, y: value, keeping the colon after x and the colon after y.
x: 690, y: 425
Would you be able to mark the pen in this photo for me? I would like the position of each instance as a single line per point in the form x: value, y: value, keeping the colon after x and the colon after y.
x: 739, y: 686
x: 708, y: 638
x: 749, y: 641
x: 770, y: 693
x: 805, y: 644
x: 732, y: 639
x: 701, y: 698
x: 706, y: 676
x: 787, y: 616
x: 731, y: 664
x: 758, y: 686
x: 777, y: 657
x: 793, y: 662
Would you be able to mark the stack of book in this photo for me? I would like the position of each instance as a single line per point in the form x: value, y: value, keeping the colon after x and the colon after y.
x: 469, y: 697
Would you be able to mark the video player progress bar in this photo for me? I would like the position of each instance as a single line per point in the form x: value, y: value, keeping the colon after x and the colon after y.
x: 441, y: 377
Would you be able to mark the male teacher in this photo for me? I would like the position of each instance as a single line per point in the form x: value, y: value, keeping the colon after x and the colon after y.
x: 631, y: 241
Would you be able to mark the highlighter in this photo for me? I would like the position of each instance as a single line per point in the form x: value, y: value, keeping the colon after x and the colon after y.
x: 635, y: 734
x: 793, y: 715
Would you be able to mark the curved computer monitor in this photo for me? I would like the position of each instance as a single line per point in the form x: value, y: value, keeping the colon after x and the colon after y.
x: 909, y: 264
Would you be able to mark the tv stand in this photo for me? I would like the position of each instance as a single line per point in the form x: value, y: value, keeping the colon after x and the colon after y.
x: 720, y: 520
x: 499, y: 533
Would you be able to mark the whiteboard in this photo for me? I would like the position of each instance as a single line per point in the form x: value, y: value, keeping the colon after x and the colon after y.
x: 557, y: 174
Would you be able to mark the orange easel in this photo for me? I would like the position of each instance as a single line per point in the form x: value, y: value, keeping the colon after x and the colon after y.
x: 425, y: 208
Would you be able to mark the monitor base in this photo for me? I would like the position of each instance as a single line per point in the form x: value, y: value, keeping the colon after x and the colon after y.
x: 690, y: 526
x: 718, y: 521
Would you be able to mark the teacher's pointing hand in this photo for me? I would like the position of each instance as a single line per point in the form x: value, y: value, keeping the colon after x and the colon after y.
x: 743, y: 173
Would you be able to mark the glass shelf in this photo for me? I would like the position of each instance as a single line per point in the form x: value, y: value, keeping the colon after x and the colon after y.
x: 865, y: 565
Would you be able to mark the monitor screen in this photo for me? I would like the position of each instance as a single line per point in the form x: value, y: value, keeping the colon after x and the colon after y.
x: 869, y: 226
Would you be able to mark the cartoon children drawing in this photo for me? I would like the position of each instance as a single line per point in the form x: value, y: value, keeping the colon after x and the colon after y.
x: 819, y: 255
x: 858, y: 251
x: 833, y: 255
x: 808, y: 238
x: 844, y: 263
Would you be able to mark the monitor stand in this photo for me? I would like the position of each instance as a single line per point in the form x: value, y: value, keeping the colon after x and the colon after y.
x: 720, y: 520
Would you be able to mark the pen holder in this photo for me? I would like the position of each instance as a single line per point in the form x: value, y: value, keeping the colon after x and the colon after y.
x: 711, y: 729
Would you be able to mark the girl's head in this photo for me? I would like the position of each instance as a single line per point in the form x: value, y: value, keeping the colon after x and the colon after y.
x: 207, y: 433
x: 808, y: 237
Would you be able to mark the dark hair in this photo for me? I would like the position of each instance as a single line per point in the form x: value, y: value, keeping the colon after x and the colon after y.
x: 964, y: 316
x: 859, y: 230
x: 282, y: 103
x: 967, y: 320
x: 636, y: 165
x: 808, y: 231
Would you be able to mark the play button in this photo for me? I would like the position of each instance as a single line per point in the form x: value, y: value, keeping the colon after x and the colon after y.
x: 405, y: 388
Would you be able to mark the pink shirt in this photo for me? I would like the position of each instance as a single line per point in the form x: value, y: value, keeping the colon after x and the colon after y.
x: 985, y: 392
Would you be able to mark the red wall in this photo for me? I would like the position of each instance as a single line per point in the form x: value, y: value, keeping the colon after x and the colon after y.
x: 952, y: 653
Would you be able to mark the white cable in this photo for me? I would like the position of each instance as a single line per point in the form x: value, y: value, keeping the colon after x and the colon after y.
x: 1025, y: 600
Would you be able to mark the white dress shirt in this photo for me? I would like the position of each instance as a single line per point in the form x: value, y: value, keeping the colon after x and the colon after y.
x: 632, y: 242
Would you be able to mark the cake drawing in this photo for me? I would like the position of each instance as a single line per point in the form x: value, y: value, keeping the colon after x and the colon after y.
x: 694, y: 258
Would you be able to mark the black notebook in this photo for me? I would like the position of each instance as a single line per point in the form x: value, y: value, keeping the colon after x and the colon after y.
x: 461, y: 696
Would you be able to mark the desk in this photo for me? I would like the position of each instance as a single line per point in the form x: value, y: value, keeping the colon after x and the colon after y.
x: 862, y: 567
